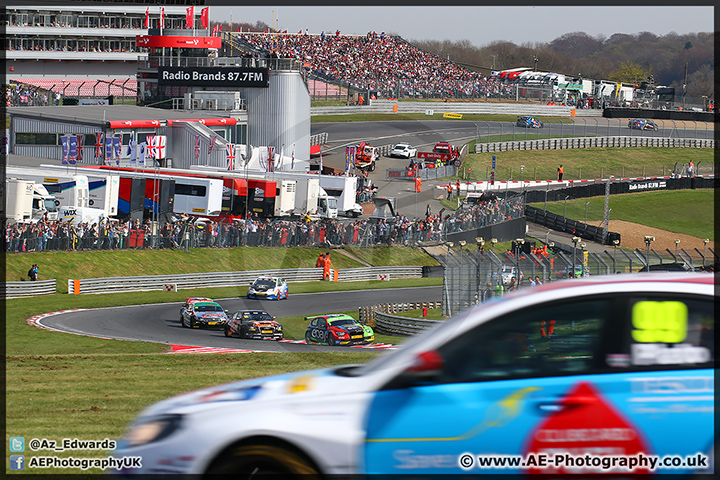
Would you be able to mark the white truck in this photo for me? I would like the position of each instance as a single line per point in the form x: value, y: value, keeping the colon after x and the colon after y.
x: 28, y: 201
x: 103, y: 188
x: 70, y: 194
x: 69, y: 190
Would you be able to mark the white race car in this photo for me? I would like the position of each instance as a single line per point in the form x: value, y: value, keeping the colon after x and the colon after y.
x: 403, y: 150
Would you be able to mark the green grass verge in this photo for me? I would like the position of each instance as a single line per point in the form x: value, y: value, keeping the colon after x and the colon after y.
x: 691, y: 212
x: 92, y: 397
x: 112, y: 263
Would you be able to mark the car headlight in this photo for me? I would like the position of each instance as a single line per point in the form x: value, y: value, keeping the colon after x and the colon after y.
x: 153, y: 430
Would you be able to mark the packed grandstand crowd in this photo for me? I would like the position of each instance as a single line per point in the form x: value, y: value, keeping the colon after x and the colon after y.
x: 378, y: 62
x: 113, y: 234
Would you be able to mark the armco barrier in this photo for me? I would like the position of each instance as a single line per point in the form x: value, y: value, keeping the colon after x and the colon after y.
x: 593, y: 142
x: 231, y: 279
x: 388, y: 106
x: 29, y: 288
x: 381, y: 318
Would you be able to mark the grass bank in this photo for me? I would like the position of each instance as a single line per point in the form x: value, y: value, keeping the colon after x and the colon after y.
x: 117, y: 263
x: 691, y: 212
x: 586, y: 163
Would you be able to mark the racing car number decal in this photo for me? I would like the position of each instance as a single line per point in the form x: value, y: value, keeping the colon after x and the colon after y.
x: 659, y: 322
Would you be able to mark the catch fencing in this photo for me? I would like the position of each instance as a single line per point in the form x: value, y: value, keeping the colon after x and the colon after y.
x: 443, y: 171
x: 472, y: 276
x: 232, y: 279
x: 28, y: 289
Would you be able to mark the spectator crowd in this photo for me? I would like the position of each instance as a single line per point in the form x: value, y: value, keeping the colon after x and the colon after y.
x: 379, y: 62
x: 186, y: 232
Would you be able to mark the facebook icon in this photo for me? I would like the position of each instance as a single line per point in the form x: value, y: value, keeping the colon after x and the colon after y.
x: 17, y: 462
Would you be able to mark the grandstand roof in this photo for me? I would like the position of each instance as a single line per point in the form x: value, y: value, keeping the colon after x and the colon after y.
x: 83, y: 87
x: 101, y: 114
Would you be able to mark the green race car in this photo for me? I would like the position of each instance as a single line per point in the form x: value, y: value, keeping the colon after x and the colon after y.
x: 337, y: 329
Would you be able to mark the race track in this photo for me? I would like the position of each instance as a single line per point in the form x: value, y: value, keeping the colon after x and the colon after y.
x: 160, y: 323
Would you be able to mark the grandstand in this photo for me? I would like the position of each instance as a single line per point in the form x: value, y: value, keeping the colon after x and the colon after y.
x: 82, y: 50
x: 374, y: 62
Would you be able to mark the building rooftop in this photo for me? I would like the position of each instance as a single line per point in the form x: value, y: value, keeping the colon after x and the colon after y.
x: 101, y: 114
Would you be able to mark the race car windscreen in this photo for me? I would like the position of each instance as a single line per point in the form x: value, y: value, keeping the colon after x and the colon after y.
x: 344, y: 321
x: 264, y: 282
x: 208, y: 308
x: 257, y: 316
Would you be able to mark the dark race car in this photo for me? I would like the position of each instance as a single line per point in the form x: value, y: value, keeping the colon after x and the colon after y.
x: 529, y: 122
x: 255, y: 324
x: 337, y: 329
x: 203, y: 314
x: 642, y: 124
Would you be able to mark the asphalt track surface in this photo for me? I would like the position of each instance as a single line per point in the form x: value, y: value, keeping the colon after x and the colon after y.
x: 160, y: 323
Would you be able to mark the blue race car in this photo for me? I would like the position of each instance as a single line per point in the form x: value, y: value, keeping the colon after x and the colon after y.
x: 272, y: 288
x: 337, y: 329
x: 642, y: 124
x: 576, y: 376
x: 529, y: 122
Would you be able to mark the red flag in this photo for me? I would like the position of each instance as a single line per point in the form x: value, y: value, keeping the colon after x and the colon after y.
x: 216, y: 30
x: 162, y: 17
x: 147, y: 18
x: 190, y: 17
x: 204, y: 13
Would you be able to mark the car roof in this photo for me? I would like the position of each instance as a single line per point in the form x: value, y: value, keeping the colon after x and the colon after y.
x: 333, y: 316
x: 199, y: 299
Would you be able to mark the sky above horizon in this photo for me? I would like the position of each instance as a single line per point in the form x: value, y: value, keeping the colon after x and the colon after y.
x: 480, y: 25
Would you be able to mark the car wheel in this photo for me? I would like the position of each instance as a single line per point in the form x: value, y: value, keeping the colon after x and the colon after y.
x: 372, y: 167
x: 228, y: 333
x: 192, y: 322
x: 250, y: 461
x: 308, y: 339
x: 182, y: 321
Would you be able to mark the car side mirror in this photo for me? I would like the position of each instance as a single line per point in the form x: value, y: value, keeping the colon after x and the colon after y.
x: 424, y: 370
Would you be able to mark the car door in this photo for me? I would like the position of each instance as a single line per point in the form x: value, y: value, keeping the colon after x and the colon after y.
x: 498, y: 383
x: 560, y: 380
x: 662, y: 374
x: 318, y: 330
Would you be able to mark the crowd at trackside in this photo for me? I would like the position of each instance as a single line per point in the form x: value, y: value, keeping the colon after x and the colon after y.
x: 381, y: 63
x: 186, y: 232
